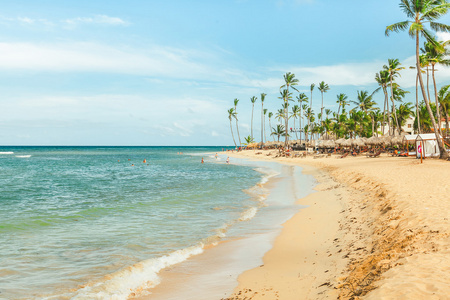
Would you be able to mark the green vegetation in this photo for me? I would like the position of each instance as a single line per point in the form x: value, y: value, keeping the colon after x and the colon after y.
x: 365, y: 119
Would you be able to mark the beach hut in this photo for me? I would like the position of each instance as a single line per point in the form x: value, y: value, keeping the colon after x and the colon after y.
x: 410, y: 139
x: 428, y: 143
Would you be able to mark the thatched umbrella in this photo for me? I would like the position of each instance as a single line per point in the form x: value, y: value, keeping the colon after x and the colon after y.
x: 329, y: 144
x: 374, y: 141
x: 339, y: 141
x: 358, y: 142
x: 347, y: 143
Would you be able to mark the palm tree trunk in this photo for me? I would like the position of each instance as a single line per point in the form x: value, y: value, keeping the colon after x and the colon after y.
x: 438, y: 110
x: 231, y: 128
x: 428, y: 82
x: 270, y: 125
x: 417, y: 104
x: 251, y: 130
x: 444, y: 154
x: 394, y: 109
x: 386, y: 100
x: 300, y: 121
x: 237, y: 129
x: 262, y: 121
x: 286, y: 123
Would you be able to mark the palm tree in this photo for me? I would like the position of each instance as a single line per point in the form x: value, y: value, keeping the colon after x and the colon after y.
x: 341, y: 99
x: 323, y: 88
x: 417, y: 93
x: 405, y: 110
x: 421, y: 12
x: 264, y: 118
x: 231, y: 115
x: 364, y: 101
x: 253, y: 100
x: 393, y: 68
x: 435, y: 53
x: 289, y: 81
x: 248, y: 140
x: 270, y: 117
x: 263, y: 126
x: 377, y: 117
x: 280, y: 115
x: 382, y: 79
x: 444, y: 100
x: 236, y: 101
x: 301, y: 98
x: 278, y: 131
x: 295, y: 114
x: 309, y: 114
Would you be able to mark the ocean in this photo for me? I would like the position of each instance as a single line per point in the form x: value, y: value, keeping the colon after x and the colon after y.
x: 102, y: 222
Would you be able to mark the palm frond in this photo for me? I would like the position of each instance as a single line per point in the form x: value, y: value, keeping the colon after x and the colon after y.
x: 436, y: 10
x: 406, y: 7
x: 397, y: 27
x: 428, y: 35
x: 440, y: 27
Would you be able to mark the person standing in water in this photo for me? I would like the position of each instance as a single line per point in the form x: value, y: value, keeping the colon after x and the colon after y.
x: 228, y: 160
x: 202, y: 160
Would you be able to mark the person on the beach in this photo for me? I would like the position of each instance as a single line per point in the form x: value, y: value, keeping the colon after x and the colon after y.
x: 216, y: 155
x: 228, y: 160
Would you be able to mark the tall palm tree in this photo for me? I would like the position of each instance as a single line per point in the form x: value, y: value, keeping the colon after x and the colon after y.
x: 376, y: 117
x: 231, y: 115
x: 263, y: 126
x: 236, y: 101
x: 365, y: 104
x: 435, y: 53
x: 419, y: 13
x: 393, y: 68
x: 264, y: 119
x: 444, y: 100
x: 301, y: 98
x: 280, y: 115
x: 417, y: 93
x: 295, y: 114
x: 253, y: 100
x: 309, y: 114
x: 323, y: 88
x: 289, y: 81
x: 270, y: 117
x: 341, y: 99
x: 382, y: 78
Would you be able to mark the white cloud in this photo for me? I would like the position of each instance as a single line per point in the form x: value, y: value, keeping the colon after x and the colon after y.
x: 98, y: 19
x: 92, y: 57
x: 443, y: 36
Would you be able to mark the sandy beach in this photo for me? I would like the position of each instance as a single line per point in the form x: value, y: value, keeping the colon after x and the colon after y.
x: 377, y: 228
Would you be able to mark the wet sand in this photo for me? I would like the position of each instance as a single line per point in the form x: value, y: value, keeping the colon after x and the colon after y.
x: 377, y: 228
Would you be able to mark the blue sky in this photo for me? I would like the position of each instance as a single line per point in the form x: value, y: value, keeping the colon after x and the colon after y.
x: 142, y: 72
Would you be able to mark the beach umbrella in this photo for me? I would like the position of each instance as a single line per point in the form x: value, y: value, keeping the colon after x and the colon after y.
x: 347, y: 143
x: 339, y: 141
x: 358, y: 142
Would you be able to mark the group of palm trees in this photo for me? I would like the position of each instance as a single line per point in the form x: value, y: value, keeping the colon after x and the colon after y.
x: 365, y: 119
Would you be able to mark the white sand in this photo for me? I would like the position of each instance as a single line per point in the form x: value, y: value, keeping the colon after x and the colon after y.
x: 378, y: 228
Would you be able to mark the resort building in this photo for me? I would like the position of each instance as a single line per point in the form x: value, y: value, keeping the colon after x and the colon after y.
x: 408, y: 128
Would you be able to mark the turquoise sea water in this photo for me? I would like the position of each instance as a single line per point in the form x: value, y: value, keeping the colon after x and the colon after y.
x: 99, y: 223
x: 71, y: 215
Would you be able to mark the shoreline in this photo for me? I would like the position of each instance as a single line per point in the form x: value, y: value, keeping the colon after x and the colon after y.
x: 391, y: 241
x: 213, y: 273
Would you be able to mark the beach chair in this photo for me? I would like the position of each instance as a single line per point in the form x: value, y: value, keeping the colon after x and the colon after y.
x: 375, y: 155
x: 344, y: 155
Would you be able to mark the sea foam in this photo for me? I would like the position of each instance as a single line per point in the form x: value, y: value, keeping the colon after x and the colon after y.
x: 132, y: 280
